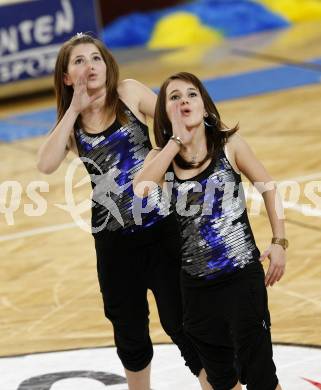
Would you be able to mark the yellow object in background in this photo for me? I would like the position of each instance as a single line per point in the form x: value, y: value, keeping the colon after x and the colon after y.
x: 181, y: 29
x: 295, y: 10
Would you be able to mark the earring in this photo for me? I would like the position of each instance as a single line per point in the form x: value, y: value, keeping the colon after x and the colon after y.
x: 205, y: 122
x: 208, y: 124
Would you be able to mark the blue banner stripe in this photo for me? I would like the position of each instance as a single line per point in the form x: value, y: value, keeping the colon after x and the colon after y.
x: 221, y: 89
x: 261, y: 81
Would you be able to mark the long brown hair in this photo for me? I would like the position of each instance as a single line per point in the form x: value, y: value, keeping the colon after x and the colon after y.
x: 64, y: 92
x: 216, y: 132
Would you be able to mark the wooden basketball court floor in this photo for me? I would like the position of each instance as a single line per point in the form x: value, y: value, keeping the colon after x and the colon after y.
x: 49, y: 296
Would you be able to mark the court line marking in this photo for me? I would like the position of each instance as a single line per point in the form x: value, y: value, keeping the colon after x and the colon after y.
x: 304, y: 178
x: 34, y: 232
x: 28, y: 329
x: 308, y: 64
x: 298, y: 295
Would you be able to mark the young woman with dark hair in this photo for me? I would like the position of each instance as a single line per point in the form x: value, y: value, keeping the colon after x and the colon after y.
x: 223, y: 282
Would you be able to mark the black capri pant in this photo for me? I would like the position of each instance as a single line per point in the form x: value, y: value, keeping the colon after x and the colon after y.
x: 228, y: 321
x: 129, y: 265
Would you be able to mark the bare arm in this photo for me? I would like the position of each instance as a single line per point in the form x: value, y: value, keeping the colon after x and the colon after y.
x: 147, y: 100
x: 154, y: 168
x: 157, y: 162
x: 55, y: 148
x: 138, y: 96
x: 252, y: 168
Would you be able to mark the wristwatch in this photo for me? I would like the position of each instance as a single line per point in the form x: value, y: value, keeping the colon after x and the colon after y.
x: 280, y: 241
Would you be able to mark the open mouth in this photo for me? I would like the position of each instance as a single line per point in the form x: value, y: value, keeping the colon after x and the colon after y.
x: 186, y: 111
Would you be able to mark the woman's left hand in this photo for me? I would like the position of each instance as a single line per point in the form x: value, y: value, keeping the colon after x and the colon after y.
x: 276, y: 269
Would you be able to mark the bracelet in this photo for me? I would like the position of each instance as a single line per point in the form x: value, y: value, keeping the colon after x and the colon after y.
x: 280, y: 241
x: 177, y: 140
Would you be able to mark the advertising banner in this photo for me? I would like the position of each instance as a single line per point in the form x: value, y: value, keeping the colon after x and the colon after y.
x: 31, y: 34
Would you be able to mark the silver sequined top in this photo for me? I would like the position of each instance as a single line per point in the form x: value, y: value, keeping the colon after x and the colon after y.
x: 112, y: 158
x: 216, y: 233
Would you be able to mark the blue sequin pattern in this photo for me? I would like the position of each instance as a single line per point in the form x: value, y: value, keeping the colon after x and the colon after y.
x: 112, y: 158
x: 216, y: 233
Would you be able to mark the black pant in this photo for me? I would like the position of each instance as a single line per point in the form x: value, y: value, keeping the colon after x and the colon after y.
x: 127, y: 267
x: 229, y: 324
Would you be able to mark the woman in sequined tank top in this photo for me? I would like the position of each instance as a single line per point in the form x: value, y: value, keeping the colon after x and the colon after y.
x: 102, y: 120
x: 199, y: 161
x: 217, y: 238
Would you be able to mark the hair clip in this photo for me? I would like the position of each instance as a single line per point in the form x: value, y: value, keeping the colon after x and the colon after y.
x: 79, y: 35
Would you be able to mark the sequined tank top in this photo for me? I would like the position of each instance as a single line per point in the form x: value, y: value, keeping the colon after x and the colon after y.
x: 216, y: 233
x: 112, y: 158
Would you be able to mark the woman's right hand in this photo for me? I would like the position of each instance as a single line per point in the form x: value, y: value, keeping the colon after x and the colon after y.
x: 81, y: 99
x: 178, y: 126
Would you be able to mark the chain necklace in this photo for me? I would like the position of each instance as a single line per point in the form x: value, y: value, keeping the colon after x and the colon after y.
x: 193, y: 156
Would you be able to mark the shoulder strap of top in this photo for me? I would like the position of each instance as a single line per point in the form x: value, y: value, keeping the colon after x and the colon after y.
x: 225, y: 150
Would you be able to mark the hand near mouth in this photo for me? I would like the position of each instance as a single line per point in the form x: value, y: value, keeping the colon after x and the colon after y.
x: 178, y: 125
x: 81, y: 98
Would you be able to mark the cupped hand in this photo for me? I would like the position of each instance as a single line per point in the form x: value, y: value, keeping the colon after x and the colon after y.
x: 81, y: 99
x: 178, y: 126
